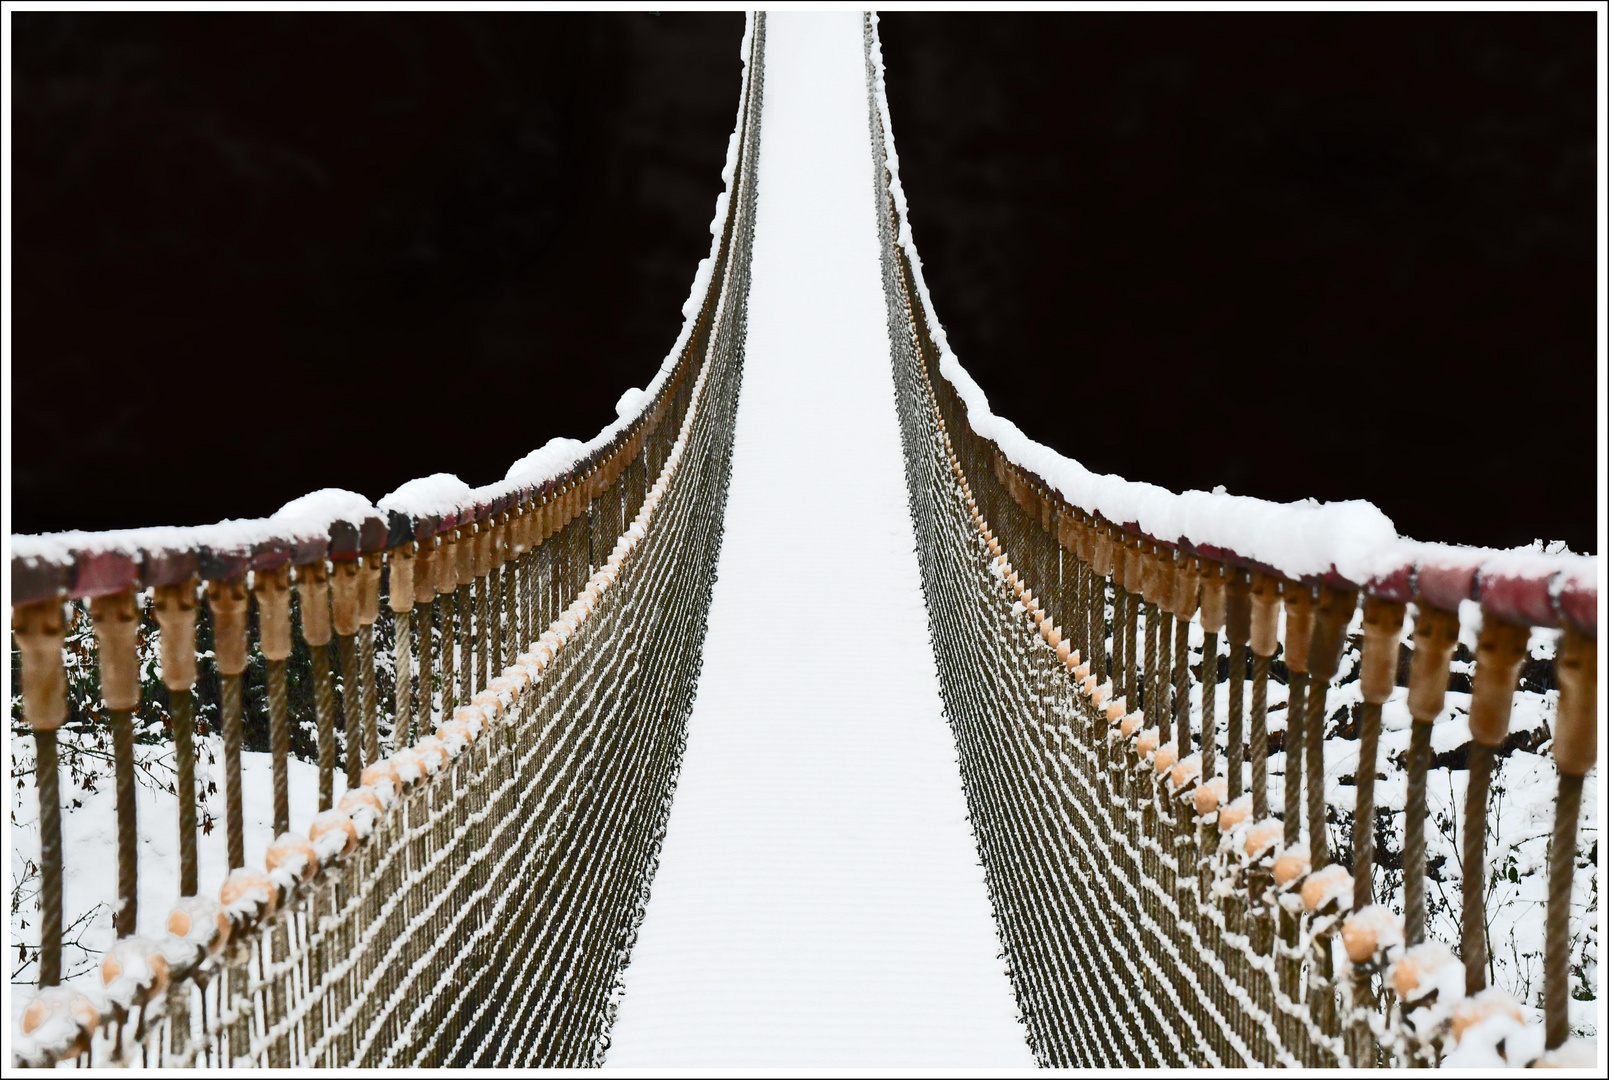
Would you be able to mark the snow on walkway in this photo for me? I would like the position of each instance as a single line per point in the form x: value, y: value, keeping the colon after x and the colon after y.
x: 819, y: 900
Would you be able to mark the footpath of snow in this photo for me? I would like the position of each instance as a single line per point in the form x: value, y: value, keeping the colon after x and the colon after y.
x: 819, y: 900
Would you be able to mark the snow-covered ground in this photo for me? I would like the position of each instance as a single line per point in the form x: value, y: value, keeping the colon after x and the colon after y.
x: 89, y: 843
x: 819, y: 900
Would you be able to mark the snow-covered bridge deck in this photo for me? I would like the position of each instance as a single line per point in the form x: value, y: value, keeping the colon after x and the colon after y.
x: 819, y: 899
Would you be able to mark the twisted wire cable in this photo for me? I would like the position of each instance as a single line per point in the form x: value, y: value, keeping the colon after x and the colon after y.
x: 1363, y: 817
x: 483, y: 635
x: 427, y: 680
x: 1162, y: 678
x: 448, y: 602
x: 1259, y: 738
x: 1474, y: 869
x: 1413, y: 844
x: 1181, y: 684
x: 1295, y: 747
x: 1209, y: 706
x: 1561, y: 871
x: 1234, y: 735
x: 1148, y: 690
x: 234, y: 816
x: 279, y: 743
x: 184, y: 760
x: 404, y: 666
x: 466, y: 644
x: 366, y: 689
x: 324, y: 709
x: 351, y: 708
x: 1318, y: 833
x: 50, y: 861
x: 1131, y: 637
x: 1122, y: 668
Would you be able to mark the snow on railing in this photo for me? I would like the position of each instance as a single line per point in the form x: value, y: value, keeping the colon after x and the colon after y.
x: 1166, y: 893
x: 525, y: 781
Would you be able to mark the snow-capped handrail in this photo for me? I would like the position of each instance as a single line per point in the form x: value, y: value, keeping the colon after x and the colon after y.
x: 1158, y: 905
x: 1344, y: 543
x: 545, y: 632
x: 343, y: 525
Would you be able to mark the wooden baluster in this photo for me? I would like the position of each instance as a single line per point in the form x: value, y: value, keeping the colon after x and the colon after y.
x: 1498, y: 656
x: 400, y: 562
x: 39, y: 630
x: 1298, y: 638
x: 1264, y: 643
x: 344, y: 612
x: 1435, y: 634
x: 313, y: 590
x: 1334, y: 615
x: 175, y: 609
x: 272, y: 589
x: 228, y: 602
x: 1575, y: 751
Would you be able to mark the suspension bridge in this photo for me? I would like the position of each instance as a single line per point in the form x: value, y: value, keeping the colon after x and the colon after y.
x: 810, y: 714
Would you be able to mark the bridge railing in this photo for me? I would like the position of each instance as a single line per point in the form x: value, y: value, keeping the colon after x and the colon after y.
x: 1158, y: 907
x: 471, y: 895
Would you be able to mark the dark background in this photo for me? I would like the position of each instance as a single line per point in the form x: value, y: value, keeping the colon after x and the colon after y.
x: 1339, y: 256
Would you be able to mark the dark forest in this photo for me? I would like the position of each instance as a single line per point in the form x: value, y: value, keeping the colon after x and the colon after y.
x: 1299, y: 255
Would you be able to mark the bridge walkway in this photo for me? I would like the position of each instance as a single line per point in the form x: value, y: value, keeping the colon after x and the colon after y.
x: 819, y: 899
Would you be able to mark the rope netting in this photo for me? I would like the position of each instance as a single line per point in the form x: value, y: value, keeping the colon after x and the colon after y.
x: 473, y: 896
x: 1155, y: 908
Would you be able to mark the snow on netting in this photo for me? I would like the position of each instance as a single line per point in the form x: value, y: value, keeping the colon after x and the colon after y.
x: 1167, y: 893
x: 474, y: 895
